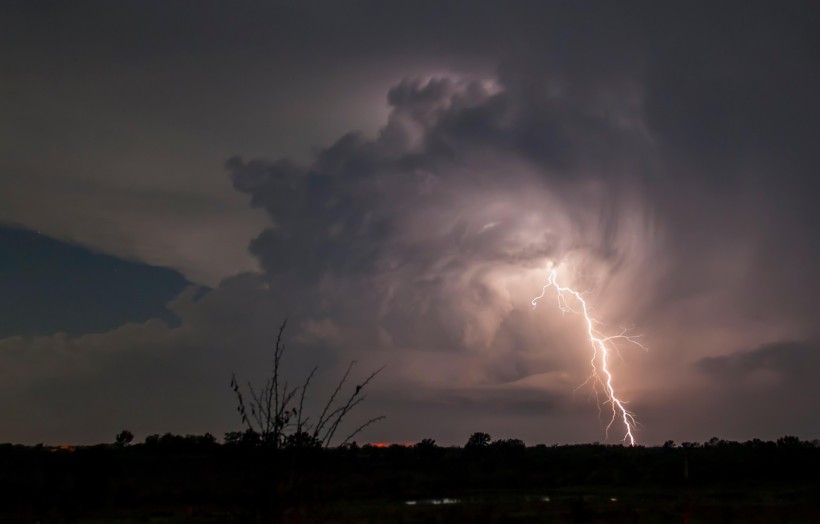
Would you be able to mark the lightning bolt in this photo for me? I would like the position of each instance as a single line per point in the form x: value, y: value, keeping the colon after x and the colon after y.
x: 602, y: 347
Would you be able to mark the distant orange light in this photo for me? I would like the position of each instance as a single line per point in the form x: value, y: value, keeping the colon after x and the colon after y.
x: 388, y: 444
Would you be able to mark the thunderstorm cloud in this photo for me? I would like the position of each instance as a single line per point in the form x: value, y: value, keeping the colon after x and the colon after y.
x: 413, y: 177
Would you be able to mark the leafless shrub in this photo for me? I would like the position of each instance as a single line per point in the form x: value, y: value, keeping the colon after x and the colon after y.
x: 273, y: 413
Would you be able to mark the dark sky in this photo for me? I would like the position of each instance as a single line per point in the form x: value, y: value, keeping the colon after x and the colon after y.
x: 398, y: 179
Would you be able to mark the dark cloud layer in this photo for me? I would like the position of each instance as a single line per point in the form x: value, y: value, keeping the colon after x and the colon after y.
x: 662, y: 156
x: 790, y: 364
x: 50, y: 287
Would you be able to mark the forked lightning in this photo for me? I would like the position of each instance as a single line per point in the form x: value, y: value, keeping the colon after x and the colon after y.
x: 602, y: 347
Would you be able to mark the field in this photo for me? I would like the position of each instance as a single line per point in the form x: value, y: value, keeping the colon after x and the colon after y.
x: 193, y: 479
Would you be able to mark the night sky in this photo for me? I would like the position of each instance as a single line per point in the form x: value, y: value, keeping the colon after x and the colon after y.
x: 398, y: 179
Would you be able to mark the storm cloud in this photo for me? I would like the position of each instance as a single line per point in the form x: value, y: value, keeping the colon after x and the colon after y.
x: 420, y: 171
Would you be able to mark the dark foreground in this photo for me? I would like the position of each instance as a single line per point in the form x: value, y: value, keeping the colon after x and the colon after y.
x: 178, y: 479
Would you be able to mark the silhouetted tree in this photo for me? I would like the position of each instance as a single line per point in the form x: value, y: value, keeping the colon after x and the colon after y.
x: 233, y: 437
x: 712, y: 442
x: 789, y: 442
x: 124, y: 438
x: 510, y: 444
x: 426, y: 443
x: 302, y: 440
x: 478, y: 440
x: 245, y: 438
x: 273, y: 413
x: 427, y: 449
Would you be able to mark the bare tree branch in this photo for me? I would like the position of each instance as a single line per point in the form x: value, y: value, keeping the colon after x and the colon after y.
x: 272, y: 409
x: 360, y: 428
x: 302, y: 400
x: 350, y: 404
x: 322, y: 420
x: 278, y: 350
